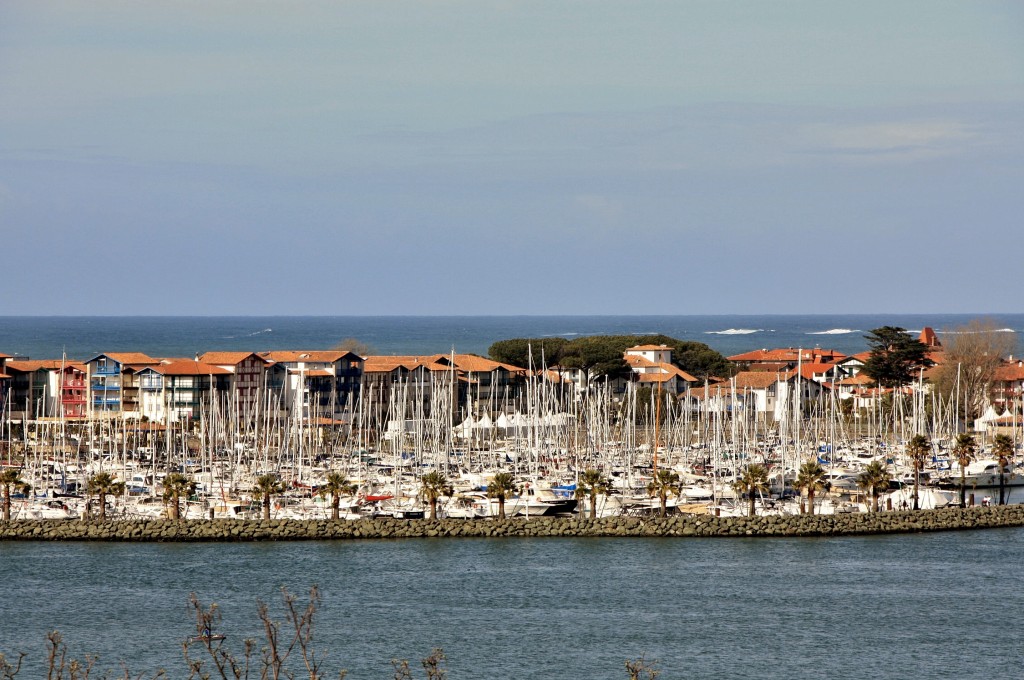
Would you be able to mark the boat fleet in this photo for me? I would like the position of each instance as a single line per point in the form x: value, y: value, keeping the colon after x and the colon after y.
x: 388, y: 481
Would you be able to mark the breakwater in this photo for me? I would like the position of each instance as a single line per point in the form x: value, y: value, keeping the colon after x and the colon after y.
x: 946, y: 519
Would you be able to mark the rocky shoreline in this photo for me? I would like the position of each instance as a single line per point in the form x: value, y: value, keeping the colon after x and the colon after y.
x: 850, y: 524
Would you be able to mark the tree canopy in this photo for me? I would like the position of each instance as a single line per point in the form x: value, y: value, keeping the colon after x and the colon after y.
x: 602, y: 355
x: 971, y: 359
x: 895, y: 356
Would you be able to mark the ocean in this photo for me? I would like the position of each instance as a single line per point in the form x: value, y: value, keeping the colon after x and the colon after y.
x: 81, y: 338
x: 939, y: 605
x: 932, y: 605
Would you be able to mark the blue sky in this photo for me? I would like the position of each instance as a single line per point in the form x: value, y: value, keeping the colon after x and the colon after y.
x: 458, y: 157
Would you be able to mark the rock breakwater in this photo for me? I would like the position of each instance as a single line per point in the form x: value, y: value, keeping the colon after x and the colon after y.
x: 946, y: 519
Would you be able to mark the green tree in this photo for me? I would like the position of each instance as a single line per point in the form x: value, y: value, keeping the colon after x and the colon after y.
x: 895, y: 357
x: 10, y: 480
x: 1002, y: 447
x: 874, y: 479
x: 752, y: 481
x: 528, y: 352
x: 177, y: 485
x: 600, y: 356
x: 337, y: 485
x: 811, y: 477
x: 501, y: 486
x: 267, y: 486
x: 918, y: 449
x: 101, y: 485
x: 591, y: 484
x: 433, y: 485
x: 663, y: 483
x: 965, y: 450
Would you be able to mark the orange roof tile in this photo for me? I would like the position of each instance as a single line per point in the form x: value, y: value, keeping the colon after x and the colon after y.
x: 129, y: 357
x: 228, y: 358
x: 188, y: 367
x: 296, y: 356
x: 44, y: 364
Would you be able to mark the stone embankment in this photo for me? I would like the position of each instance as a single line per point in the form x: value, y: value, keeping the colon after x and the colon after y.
x: 946, y: 519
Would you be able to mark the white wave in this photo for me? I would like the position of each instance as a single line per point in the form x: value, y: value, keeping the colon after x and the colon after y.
x: 836, y: 331
x: 994, y: 330
x: 735, y: 331
x: 265, y: 330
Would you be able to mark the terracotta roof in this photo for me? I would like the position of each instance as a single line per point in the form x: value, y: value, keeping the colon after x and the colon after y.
x: 475, y: 364
x: 789, y: 354
x: 228, y: 358
x: 859, y: 379
x: 654, y: 377
x: 128, y: 358
x: 5, y: 356
x: 44, y: 364
x: 755, y: 380
x: 386, y: 364
x: 296, y: 356
x: 929, y: 338
x: 649, y: 348
x: 314, y: 373
x: 1007, y: 372
x: 188, y: 367
x: 638, y: 361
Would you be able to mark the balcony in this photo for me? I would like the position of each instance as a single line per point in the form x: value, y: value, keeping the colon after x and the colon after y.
x: 102, y: 370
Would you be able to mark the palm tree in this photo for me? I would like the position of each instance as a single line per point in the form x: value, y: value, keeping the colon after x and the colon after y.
x: 10, y: 479
x: 177, y: 485
x: 754, y: 480
x: 267, y: 486
x: 101, y: 484
x: 592, y: 482
x: 1002, y: 447
x: 874, y: 479
x: 664, y: 482
x: 501, y: 486
x: 964, y: 450
x: 337, y: 485
x: 433, y: 485
x: 811, y: 477
x: 918, y: 448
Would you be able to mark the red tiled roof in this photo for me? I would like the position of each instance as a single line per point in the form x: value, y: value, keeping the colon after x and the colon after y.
x: 228, y: 358
x: 44, y: 364
x: 188, y: 367
x: 296, y: 356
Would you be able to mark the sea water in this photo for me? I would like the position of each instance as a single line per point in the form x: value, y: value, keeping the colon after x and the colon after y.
x: 938, y: 605
x: 85, y: 337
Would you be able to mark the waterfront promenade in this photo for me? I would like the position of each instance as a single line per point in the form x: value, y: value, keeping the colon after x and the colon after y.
x: 679, y: 526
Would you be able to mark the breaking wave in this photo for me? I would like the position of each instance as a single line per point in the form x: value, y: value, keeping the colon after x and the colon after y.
x: 836, y: 331
x: 736, y: 331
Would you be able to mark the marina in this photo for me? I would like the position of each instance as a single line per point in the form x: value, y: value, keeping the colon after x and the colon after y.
x: 366, y: 452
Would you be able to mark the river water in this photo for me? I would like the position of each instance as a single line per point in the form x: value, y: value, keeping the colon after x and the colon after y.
x: 941, y: 605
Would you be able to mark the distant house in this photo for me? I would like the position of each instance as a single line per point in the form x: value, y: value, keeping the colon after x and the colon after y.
x: 5, y: 381
x: 760, y: 395
x: 245, y: 386
x: 1007, y: 386
x: 314, y: 384
x: 773, y: 360
x: 181, y: 390
x: 652, y: 365
x: 113, y: 388
x: 49, y: 388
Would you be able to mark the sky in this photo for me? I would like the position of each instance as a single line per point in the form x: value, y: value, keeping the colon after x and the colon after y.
x: 511, y: 157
